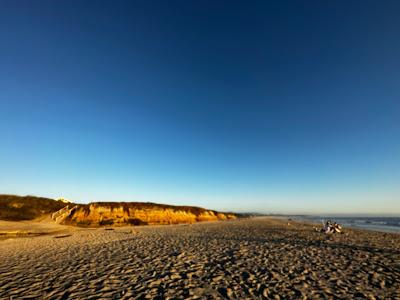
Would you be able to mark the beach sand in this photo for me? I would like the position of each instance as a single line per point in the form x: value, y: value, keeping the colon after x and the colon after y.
x: 254, y: 258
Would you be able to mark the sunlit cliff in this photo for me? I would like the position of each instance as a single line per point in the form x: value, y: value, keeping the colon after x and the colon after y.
x: 111, y: 213
x: 16, y: 208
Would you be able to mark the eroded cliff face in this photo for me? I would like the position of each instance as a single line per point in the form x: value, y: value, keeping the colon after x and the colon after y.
x: 98, y: 214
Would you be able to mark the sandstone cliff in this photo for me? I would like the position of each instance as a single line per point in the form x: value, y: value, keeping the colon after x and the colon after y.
x: 136, y: 213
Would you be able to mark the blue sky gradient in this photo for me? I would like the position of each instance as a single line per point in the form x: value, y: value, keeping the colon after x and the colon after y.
x: 247, y: 106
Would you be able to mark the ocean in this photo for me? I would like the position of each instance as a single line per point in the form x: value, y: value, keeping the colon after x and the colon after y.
x: 384, y: 224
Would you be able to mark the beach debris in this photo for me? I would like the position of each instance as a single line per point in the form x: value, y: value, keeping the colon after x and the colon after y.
x: 60, y: 236
x: 330, y: 227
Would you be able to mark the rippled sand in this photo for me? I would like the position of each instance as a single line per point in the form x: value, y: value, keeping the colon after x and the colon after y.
x: 253, y: 258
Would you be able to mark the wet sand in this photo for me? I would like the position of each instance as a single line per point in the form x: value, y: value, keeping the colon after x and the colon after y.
x: 255, y: 258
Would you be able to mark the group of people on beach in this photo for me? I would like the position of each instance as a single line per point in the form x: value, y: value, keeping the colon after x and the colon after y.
x: 331, y: 227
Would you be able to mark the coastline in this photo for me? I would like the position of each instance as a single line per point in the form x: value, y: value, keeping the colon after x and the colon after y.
x: 349, y: 222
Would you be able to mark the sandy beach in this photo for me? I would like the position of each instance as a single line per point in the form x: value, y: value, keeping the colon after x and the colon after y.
x: 258, y: 258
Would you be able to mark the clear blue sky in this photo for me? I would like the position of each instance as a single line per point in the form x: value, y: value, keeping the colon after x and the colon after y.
x: 267, y: 106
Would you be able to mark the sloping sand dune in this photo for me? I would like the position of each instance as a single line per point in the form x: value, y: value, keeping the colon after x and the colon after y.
x: 253, y: 258
x: 43, y: 226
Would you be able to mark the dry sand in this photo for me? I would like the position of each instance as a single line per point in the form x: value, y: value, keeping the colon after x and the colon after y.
x: 43, y: 226
x: 252, y: 258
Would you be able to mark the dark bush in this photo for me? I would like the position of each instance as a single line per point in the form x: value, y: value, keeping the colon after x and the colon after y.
x: 106, y: 222
x: 83, y: 223
x: 136, y: 222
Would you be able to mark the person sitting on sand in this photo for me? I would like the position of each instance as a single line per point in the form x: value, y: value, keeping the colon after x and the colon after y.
x: 337, y: 227
x: 327, y: 227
